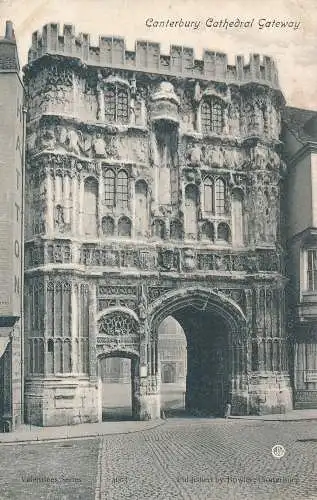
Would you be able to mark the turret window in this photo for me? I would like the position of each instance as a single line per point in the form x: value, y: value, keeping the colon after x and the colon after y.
x: 117, y: 105
x: 211, y: 116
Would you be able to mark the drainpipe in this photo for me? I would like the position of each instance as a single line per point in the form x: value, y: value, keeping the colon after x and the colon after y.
x: 24, y: 111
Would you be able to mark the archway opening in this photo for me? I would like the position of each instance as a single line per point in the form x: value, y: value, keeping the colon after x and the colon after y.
x: 172, y: 346
x: 117, y: 374
x: 209, y: 330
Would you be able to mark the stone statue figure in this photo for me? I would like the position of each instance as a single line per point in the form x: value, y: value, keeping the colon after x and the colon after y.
x: 234, y: 122
x: 48, y: 139
x: 99, y: 145
x: 59, y: 217
x: 100, y: 98
x: 142, y: 304
x: 194, y: 156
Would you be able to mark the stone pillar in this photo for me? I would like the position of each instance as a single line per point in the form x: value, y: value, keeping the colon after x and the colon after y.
x: 81, y: 207
x: 50, y: 204
x: 132, y: 206
x: 92, y: 330
x: 198, y: 119
x: 75, y: 206
x: 67, y: 200
x: 101, y: 197
x: 75, y: 319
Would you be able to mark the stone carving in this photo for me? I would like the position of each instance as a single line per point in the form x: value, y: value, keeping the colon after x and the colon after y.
x: 116, y: 290
x: 119, y: 325
x: 194, y: 156
x: 58, y: 253
x: 231, y: 158
x: 71, y: 139
x: 142, y: 304
x: 259, y: 156
x: 59, y: 218
x: 168, y: 259
x: 265, y: 208
x: 214, y: 157
x: 225, y: 129
x: 189, y: 259
x: 99, y: 145
x: 47, y: 138
x: 96, y: 256
x: 197, y: 92
x: 234, y: 120
x: 272, y: 120
x: 157, y: 291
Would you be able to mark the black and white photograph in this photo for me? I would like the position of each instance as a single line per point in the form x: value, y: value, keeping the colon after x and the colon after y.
x: 158, y: 250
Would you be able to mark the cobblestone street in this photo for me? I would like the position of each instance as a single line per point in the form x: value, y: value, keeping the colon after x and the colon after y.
x: 200, y: 459
x: 184, y: 458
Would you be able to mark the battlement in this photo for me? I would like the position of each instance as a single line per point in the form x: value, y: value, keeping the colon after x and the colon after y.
x: 111, y: 52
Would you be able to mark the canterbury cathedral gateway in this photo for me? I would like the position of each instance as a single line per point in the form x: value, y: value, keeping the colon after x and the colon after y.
x: 164, y: 186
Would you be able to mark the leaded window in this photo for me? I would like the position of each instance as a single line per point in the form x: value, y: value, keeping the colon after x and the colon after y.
x: 211, y: 116
x: 116, y: 189
x: 220, y: 202
x: 117, y: 105
x: 312, y: 269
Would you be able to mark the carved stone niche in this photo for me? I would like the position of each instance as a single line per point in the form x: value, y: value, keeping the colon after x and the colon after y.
x: 194, y: 156
x: 165, y: 104
x: 168, y: 259
x: 189, y: 260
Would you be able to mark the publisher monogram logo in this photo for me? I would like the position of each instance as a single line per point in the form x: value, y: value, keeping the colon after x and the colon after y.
x: 278, y: 451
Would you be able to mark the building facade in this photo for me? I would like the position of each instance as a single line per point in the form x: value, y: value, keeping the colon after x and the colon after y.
x: 300, y: 142
x: 11, y: 233
x: 153, y: 188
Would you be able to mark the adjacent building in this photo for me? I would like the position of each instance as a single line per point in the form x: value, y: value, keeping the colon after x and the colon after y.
x: 300, y: 142
x: 11, y: 232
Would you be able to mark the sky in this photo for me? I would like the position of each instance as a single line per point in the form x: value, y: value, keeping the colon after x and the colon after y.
x: 295, y: 50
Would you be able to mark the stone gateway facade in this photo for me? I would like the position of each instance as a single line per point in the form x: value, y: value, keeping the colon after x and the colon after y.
x: 154, y: 188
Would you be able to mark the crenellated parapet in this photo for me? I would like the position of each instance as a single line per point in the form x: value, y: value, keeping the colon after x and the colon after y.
x: 111, y: 52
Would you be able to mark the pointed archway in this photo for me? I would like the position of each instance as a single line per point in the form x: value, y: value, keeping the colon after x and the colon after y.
x: 215, y: 329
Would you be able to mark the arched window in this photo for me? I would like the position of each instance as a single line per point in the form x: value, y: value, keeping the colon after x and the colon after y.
x: 117, y: 105
x: 220, y: 202
x: 176, y: 230
x: 124, y: 227
x: 208, y: 195
x: 107, y: 226
x: 141, y: 208
x: 211, y: 116
x: 110, y: 105
x: 109, y: 188
x: 159, y: 229
x: 207, y: 231
x: 122, y: 189
x: 237, y: 218
x: 90, y: 206
x: 223, y: 233
x: 116, y: 188
x: 122, y: 106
